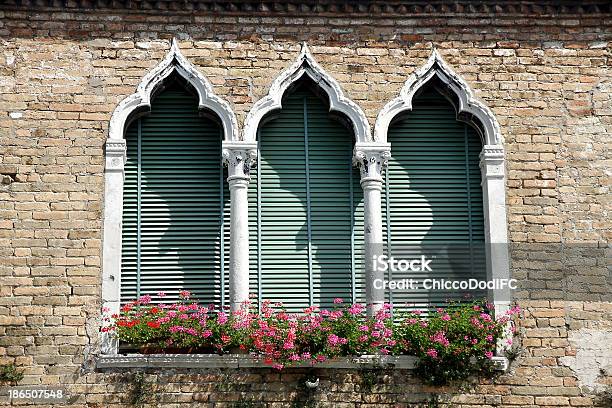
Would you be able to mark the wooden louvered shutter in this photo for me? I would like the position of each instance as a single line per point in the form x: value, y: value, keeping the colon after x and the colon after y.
x: 433, y: 198
x: 174, y: 193
x: 307, y: 244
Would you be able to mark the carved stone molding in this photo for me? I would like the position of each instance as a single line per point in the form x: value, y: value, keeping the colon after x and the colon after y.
x: 115, y: 152
x: 239, y: 157
x: 372, y: 159
x: 492, y: 162
x: 141, y: 99
x: 469, y: 108
x: 306, y: 65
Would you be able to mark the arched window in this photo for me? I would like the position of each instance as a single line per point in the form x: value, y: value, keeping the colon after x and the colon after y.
x: 173, y: 201
x: 433, y: 201
x: 306, y: 205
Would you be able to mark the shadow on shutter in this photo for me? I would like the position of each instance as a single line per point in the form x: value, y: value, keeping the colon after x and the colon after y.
x: 172, y: 229
x: 433, y: 198
x: 308, y: 246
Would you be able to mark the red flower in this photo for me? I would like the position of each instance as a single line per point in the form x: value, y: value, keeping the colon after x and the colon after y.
x: 153, y: 325
x: 154, y: 310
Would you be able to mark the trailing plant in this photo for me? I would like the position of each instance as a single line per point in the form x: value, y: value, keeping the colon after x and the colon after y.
x: 9, y: 373
x: 140, y: 391
x: 452, y: 343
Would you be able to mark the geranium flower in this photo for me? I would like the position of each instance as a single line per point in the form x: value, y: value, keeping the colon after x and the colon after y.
x: 338, y: 301
x: 432, y: 353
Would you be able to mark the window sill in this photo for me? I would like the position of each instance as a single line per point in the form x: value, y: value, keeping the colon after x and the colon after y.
x: 246, y: 361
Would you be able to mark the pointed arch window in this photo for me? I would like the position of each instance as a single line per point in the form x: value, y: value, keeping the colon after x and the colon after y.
x: 307, y: 206
x: 432, y: 200
x: 174, y: 200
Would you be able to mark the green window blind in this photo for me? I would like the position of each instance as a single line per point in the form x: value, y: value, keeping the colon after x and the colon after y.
x: 306, y: 241
x: 432, y: 200
x: 174, y: 195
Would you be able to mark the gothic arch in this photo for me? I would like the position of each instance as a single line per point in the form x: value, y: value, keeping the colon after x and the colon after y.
x: 469, y: 107
x: 174, y: 62
x: 306, y: 65
x: 115, y: 158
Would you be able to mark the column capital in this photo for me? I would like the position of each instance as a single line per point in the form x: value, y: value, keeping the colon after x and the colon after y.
x: 372, y: 159
x: 115, y: 151
x: 492, y: 161
x: 239, y: 157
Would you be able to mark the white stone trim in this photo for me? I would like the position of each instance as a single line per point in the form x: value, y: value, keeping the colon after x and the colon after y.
x: 306, y: 65
x: 141, y: 99
x: 115, y: 154
x: 492, y: 162
x: 372, y: 159
x: 469, y: 105
x: 239, y: 157
x: 236, y: 361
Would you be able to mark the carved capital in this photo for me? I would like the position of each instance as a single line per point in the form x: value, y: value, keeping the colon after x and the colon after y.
x: 239, y: 158
x: 372, y: 159
x: 116, y: 155
x: 492, y: 161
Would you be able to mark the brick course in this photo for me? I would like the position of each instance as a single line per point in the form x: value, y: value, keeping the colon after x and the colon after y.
x: 548, y: 81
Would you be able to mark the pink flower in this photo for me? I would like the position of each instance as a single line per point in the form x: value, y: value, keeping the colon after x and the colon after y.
x: 509, y: 342
x: 145, y: 300
x: 338, y: 301
x: 222, y: 318
x: 355, y: 309
x: 376, y: 333
x: 440, y: 337
x: 432, y: 353
x: 206, y: 333
x: 161, y: 294
x: 489, y: 354
x: 306, y: 356
x: 333, y: 340
x: 321, y: 358
x: 364, y: 328
x: 184, y: 294
x: 288, y: 345
x: 363, y: 338
x: 445, y: 317
x: 105, y: 309
x: 474, y: 341
x: 489, y: 338
x: 277, y: 366
x: 294, y: 357
x: 486, y: 317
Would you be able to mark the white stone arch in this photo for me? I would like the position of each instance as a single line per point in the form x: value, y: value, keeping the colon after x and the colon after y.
x: 115, y: 158
x: 174, y: 62
x: 306, y: 65
x: 469, y: 109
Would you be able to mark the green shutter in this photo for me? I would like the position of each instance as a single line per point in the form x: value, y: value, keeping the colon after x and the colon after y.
x: 433, y: 197
x: 173, y: 198
x: 307, y: 246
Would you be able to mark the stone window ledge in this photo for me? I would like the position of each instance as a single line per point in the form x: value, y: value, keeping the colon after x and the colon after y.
x: 245, y: 361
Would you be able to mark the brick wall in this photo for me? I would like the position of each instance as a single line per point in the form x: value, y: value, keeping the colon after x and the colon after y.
x: 547, y: 79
